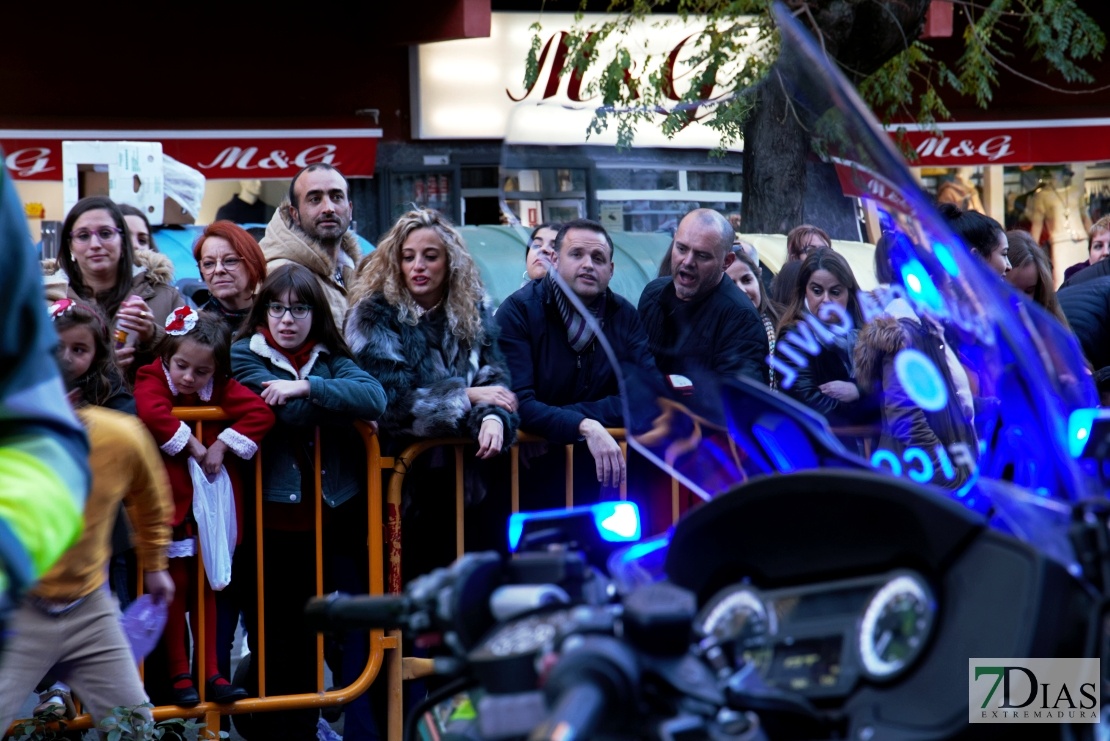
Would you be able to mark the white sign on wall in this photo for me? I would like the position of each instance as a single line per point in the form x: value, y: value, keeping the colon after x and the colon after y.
x: 474, y: 88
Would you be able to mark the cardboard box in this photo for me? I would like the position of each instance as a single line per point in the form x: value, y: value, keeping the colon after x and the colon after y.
x: 174, y: 213
x: 126, y: 172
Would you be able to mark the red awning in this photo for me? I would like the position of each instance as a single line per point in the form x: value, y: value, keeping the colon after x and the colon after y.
x: 219, y: 155
x: 1050, y: 142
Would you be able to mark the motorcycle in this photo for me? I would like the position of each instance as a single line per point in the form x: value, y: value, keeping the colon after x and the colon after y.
x: 822, y: 589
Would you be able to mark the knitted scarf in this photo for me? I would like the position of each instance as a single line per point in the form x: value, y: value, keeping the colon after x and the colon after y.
x: 579, y: 332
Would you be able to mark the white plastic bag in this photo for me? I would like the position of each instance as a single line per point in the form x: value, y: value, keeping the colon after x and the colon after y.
x: 214, y: 511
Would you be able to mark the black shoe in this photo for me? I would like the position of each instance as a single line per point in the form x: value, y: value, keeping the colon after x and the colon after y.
x: 224, y: 692
x: 185, y: 697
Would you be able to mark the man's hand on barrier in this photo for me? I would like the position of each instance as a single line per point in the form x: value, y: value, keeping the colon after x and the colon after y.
x: 490, y: 437
x: 159, y: 585
x: 606, y: 452
x: 841, y: 390
x: 277, y: 393
x: 497, y: 396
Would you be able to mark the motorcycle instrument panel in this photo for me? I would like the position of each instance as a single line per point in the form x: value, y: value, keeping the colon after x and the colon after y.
x: 820, y: 639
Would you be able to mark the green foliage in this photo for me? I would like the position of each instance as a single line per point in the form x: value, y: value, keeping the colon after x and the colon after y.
x: 738, y: 45
x: 124, y: 724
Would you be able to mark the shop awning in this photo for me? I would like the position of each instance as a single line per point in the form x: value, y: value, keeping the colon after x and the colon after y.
x: 220, y: 155
x: 1048, y: 142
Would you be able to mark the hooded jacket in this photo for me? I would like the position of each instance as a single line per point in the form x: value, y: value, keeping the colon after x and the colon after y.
x: 906, y: 424
x: 285, y: 243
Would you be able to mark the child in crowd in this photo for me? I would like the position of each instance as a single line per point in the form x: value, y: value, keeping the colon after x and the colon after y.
x: 90, y: 371
x: 85, y: 356
x: 192, y: 370
x: 290, y: 351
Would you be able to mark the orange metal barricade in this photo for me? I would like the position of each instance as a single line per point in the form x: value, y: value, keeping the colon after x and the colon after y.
x: 383, y: 552
x: 379, y: 643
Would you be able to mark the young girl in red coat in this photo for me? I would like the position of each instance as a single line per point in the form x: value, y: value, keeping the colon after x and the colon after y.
x: 192, y: 370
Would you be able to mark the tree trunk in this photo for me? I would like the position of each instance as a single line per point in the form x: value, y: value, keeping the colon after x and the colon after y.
x: 775, y: 153
x: 783, y: 183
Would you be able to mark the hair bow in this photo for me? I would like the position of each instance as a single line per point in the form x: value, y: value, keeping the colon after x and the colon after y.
x: 181, y: 321
x: 60, y: 307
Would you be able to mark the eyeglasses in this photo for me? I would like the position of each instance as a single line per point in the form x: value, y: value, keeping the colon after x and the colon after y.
x: 229, y: 263
x: 299, y: 311
x: 104, y: 234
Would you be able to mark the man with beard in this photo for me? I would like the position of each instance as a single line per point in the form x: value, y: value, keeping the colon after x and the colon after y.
x: 311, y: 230
x: 565, y: 385
x: 702, y: 328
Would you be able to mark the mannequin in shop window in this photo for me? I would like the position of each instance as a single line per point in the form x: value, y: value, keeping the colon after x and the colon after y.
x: 246, y: 207
x: 961, y: 191
x: 1058, y: 219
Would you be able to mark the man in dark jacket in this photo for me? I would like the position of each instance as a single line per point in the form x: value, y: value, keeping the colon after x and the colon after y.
x: 700, y: 325
x: 565, y: 385
x: 1085, y: 300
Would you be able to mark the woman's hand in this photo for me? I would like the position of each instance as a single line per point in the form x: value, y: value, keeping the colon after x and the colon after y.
x: 214, y: 459
x: 841, y: 390
x: 134, y: 315
x: 490, y: 438
x: 277, y: 393
x: 497, y: 396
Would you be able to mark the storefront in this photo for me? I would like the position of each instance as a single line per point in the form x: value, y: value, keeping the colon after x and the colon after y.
x: 1050, y: 177
x: 221, y: 158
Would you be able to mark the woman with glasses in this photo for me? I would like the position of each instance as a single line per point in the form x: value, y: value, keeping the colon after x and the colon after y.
x: 99, y: 262
x: 232, y: 266
x: 290, y: 352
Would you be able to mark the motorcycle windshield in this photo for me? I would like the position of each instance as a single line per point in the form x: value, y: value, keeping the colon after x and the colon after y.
x: 924, y: 364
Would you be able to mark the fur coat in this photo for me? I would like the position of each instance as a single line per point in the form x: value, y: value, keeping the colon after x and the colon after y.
x: 425, y: 372
x: 285, y: 242
x: 905, y: 424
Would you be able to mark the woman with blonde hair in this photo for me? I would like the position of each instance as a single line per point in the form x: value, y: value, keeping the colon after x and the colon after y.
x: 419, y: 325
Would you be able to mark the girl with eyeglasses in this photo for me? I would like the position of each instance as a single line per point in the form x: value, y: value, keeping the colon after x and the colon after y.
x: 290, y: 352
x: 98, y: 260
x: 231, y: 265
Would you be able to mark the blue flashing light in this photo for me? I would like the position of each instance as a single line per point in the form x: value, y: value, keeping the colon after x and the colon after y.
x: 921, y: 379
x: 640, y: 550
x: 771, y: 444
x: 921, y: 287
x: 1080, y: 423
x: 617, y: 522
x: 944, y: 256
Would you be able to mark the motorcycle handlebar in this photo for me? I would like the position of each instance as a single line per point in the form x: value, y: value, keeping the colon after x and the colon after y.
x: 363, y: 612
x: 574, y: 716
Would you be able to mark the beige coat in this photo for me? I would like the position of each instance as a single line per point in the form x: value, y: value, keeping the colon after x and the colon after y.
x: 286, y: 243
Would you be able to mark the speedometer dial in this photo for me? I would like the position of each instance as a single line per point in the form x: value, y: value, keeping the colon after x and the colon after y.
x: 895, y: 626
x: 738, y: 619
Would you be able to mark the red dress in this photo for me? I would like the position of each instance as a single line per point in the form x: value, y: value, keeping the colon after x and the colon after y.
x: 251, y: 419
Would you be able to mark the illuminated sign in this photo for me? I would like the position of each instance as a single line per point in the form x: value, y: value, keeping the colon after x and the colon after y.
x: 917, y: 464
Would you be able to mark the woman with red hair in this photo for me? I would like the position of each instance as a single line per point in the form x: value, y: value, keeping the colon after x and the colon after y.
x: 232, y: 266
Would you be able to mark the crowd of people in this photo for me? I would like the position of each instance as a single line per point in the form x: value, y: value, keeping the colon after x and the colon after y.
x: 299, y: 337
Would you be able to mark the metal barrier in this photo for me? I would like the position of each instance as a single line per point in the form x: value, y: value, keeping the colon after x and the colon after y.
x: 384, y: 529
x: 378, y: 642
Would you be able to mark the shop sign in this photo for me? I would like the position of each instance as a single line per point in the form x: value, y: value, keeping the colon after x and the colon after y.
x: 1057, y: 141
x: 218, y: 155
x: 474, y: 88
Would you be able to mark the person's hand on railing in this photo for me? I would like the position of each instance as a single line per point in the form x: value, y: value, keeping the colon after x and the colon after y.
x: 214, y: 459
x: 606, y: 452
x: 159, y: 585
x: 278, y: 393
x: 497, y: 396
x: 490, y: 437
x: 841, y: 390
x: 372, y: 424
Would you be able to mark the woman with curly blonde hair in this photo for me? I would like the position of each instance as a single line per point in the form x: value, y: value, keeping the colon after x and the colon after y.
x: 420, y: 326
